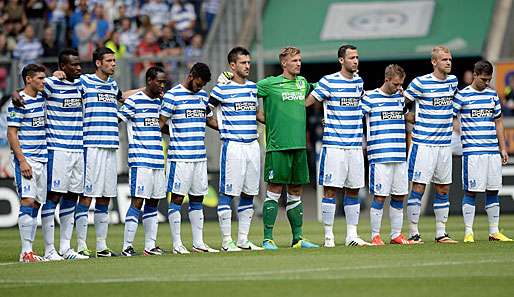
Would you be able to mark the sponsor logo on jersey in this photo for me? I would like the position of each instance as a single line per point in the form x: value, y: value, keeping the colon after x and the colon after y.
x: 292, y: 96
x: 105, y: 97
x: 195, y: 113
x: 442, y: 101
x: 151, y: 122
x: 72, y: 102
x: 482, y: 113
x: 349, y: 101
x: 38, y: 122
x: 245, y: 106
x: 391, y: 115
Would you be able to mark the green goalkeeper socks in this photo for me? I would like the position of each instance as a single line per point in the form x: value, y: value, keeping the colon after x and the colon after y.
x: 295, y: 217
x: 269, y: 215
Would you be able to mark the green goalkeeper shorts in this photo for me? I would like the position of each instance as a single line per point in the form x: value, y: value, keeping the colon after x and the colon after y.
x: 288, y: 167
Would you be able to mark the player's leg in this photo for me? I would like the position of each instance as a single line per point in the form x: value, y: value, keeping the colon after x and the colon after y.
x: 354, y: 182
x: 81, y: 225
x: 131, y: 221
x: 91, y: 190
x: 470, y: 166
x: 331, y: 176
x: 468, y: 213
x: 150, y: 221
x: 442, y: 179
x: 492, y: 203
x: 375, y: 217
x: 328, y: 211
x: 48, y: 209
x: 380, y: 178
x: 178, y: 186
x: 399, y: 191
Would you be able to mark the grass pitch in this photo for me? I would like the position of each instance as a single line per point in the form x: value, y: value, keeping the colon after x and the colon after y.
x: 480, y: 269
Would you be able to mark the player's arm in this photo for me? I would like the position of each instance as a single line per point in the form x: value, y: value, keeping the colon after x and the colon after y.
x: 501, y: 139
x: 212, y: 122
x: 408, y: 109
x: 261, y: 117
x: 12, y: 137
x: 163, y: 124
x: 16, y: 98
x: 310, y: 100
x: 128, y: 93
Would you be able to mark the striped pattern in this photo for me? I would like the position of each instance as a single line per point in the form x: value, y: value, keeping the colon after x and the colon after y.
x: 187, y: 114
x: 27, y: 52
x: 385, y: 126
x: 433, y: 99
x: 182, y: 15
x: 478, y: 112
x: 343, y: 117
x: 144, y: 134
x: 238, y: 110
x: 63, y: 115
x: 100, y: 111
x: 30, y: 121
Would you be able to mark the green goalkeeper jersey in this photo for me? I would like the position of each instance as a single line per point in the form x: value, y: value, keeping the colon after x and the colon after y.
x: 284, y: 108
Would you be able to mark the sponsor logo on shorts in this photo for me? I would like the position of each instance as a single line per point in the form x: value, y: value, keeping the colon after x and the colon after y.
x: 72, y: 102
x: 105, y: 97
x: 349, y: 101
x: 482, y: 113
x: 442, y: 101
x: 245, y: 106
x: 151, y: 122
x: 38, y: 122
x: 391, y: 115
x: 195, y: 113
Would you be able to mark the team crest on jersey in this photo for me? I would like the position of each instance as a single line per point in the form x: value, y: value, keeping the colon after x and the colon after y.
x: 300, y: 84
x: 38, y: 122
x: 12, y: 114
x: 195, y: 113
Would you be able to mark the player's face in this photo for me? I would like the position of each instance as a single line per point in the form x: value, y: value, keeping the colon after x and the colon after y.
x: 107, y: 65
x: 481, y: 81
x: 394, y: 84
x: 242, y: 66
x: 350, y: 62
x: 443, y: 62
x: 157, y: 85
x: 195, y: 84
x: 72, y: 67
x: 293, y: 64
x: 36, y: 82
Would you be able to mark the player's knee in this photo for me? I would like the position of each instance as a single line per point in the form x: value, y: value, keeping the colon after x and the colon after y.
x: 102, y: 201
x: 85, y: 201
x: 471, y: 194
x: 330, y: 192
x: 272, y: 196
x: 275, y: 188
x: 137, y: 203
x: 246, y: 196
x: 351, y: 192
x: 491, y: 193
x: 152, y: 202
x: 379, y: 199
x: 417, y: 187
x: 293, y: 198
x: 195, y: 198
x: 398, y: 197
x: 177, y: 199
x: 442, y: 189
x: 54, y: 196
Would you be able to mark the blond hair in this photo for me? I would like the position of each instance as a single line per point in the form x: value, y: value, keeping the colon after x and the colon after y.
x: 394, y: 70
x: 439, y: 49
x: 288, y: 51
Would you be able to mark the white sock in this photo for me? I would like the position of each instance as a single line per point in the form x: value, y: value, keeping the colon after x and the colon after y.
x: 151, y: 225
x: 34, y: 225
x: 328, y: 211
x: 66, y: 213
x: 131, y: 224
x: 245, y: 220
x: 175, y: 220
x: 196, y: 219
x: 375, y: 216
x: 413, y: 211
x: 441, y: 210
x: 351, y: 212
x: 225, y: 217
x: 492, y: 207
x: 468, y: 212
x: 25, y: 222
x: 396, y: 217
x: 48, y: 225
x: 81, y: 221
x: 101, y: 226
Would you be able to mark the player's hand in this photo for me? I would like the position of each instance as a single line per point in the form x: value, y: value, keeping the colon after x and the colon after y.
x: 17, y: 100
x: 225, y: 77
x: 505, y: 157
x: 59, y: 74
x: 26, y: 170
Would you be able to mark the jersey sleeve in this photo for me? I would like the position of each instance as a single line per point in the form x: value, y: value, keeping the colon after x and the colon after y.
x: 216, y: 96
x: 48, y: 90
x: 414, y: 90
x: 457, y: 104
x: 168, y: 105
x: 321, y: 92
x: 263, y: 88
x: 14, y: 115
x: 365, y: 104
x: 497, y: 107
x: 128, y: 110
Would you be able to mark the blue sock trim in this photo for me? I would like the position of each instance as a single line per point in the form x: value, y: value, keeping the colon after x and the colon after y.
x: 441, y: 201
x: 35, y: 211
x: 25, y: 210
x: 195, y: 206
x: 149, y: 209
x: 65, y: 204
x: 328, y: 200
x: 49, y: 204
x: 224, y: 200
x: 492, y: 200
x: 348, y: 200
x: 377, y: 204
x: 174, y: 208
x: 414, y: 198
x: 81, y: 208
x: 396, y: 204
x: 99, y: 208
x: 133, y: 212
x: 245, y: 201
x: 468, y: 200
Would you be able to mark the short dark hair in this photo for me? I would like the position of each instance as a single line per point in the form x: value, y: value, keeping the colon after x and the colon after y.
x: 31, y: 70
x: 201, y: 70
x: 341, y: 53
x: 237, y: 51
x: 65, y: 54
x: 483, y: 67
x: 394, y: 70
x: 152, y: 72
x: 100, y: 52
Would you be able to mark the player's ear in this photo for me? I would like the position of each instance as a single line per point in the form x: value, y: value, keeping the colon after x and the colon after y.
x: 341, y: 60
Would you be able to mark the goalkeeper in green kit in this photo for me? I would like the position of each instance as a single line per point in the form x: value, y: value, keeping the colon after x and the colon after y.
x: 286, y: 152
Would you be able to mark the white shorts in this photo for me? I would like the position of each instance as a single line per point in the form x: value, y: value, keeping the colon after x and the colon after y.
x: 101, y: 176
x: 65, y: 171
x: 429, y: 163
x: 147, y: 183
x: 482, y: 172
x: 240, y: 165
x: 341, y: 168
x: 187, y: 178
x: 388, y: 179
x: 35, y: 187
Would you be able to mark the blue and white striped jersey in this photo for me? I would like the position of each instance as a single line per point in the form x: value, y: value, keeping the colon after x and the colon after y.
x: 186, y: 112
x: 343, y: 117
x: 30, y: 121
x: 385, y: 126
x: 63, y: 115
x: 144, y: 134
x: 100, y: 111
x: 433, y: 99
x: 237, y: 110
x: 478, y: 112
